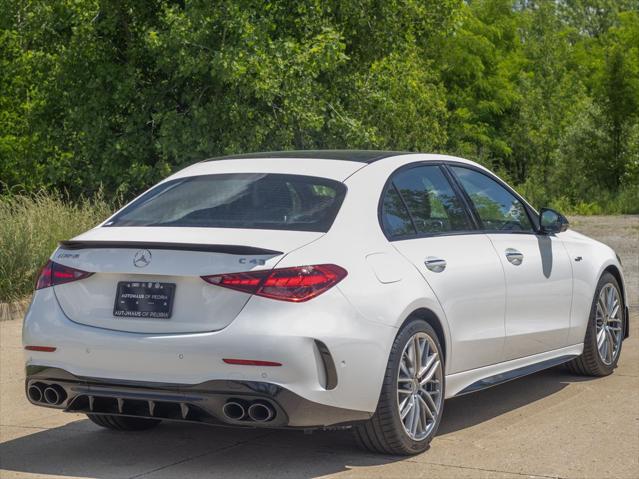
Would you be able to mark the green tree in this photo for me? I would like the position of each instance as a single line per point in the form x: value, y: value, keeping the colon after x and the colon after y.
x: 117, y: 94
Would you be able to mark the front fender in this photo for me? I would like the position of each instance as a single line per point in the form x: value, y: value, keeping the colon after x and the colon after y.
x: 589, y: 259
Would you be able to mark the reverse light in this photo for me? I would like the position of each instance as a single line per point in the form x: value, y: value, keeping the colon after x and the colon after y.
x: 296, y: 284
x: 53, y: 274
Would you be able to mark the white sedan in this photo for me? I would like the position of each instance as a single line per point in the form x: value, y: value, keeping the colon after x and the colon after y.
x: 317, y: 289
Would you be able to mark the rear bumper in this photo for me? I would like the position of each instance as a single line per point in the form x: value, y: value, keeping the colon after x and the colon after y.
x: 201, y: 403
x: 298, y: 336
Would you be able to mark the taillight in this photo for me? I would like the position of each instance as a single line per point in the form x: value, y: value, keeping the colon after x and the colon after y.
x: 43, y: 349
x: 54, y: 273
x: 287, y: 284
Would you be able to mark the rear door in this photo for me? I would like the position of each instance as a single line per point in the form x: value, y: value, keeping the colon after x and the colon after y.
x: 425, y: 219
x: 537, y: 267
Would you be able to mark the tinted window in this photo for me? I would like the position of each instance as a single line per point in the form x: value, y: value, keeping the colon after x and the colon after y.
x: 433, y: 205
x: 497, y: 208
x: 263, y: 201
x: 395, y: 218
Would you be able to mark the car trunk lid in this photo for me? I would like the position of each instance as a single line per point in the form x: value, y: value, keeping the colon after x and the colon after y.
x: 143, y: 259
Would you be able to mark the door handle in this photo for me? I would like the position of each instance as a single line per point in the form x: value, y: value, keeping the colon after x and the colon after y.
x: 436, y: 265
x: 514, y: 256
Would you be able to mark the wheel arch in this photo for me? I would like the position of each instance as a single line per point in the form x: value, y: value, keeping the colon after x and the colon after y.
x: 433, y: 320
x: 613, y: 270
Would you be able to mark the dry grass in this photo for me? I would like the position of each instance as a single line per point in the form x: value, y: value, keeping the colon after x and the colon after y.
x: 31, y: 226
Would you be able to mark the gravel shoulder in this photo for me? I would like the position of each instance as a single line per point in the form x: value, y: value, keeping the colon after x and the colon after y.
x: 621, y: 233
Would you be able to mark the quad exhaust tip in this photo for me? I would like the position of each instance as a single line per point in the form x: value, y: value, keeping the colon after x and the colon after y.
x: 257, y: 411
x: 234, y: 410
x: 261, y: 412
x: 35, y: 393
x: 54, y: 395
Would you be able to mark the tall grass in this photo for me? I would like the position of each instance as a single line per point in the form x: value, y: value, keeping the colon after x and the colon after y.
x: 30, y: 228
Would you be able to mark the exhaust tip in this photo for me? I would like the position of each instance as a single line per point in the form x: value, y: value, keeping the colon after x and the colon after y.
x: 261, y: 412
x: 35, y: 393
x: 234, y: 410
x: 54, y: 395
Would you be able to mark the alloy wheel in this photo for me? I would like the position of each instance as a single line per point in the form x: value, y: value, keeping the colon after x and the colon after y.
x: 609, y: 324
x: 419, y: 386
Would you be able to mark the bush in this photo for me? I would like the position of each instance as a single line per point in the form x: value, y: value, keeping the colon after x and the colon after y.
x: 625, y: 202
x: 599, y: 202
x: 32, y: 225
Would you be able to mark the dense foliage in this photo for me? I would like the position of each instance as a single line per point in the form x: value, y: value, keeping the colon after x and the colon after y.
x: 118, y: 93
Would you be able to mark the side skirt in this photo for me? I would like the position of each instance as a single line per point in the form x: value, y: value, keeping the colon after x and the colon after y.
x: 477, y: 379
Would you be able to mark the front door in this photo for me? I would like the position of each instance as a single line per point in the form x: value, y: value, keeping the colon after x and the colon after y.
x: 536, y: 267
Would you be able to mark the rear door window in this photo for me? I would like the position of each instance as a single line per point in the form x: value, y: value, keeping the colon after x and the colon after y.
x: 246, y: 200
x: 426, y: 198
x: 396, y: 221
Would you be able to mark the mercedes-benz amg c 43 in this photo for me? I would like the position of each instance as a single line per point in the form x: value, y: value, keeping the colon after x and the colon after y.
x: 316, y: 289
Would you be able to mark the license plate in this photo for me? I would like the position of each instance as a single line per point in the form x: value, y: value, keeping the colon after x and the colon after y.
x: 150, y: 300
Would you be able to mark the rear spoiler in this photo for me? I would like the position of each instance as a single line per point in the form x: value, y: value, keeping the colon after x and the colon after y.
x: 209, y: 248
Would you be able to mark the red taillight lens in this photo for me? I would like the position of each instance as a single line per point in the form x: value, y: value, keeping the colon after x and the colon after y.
x: 54, y: 273
x: 44, y: 349
x: 287, y: 284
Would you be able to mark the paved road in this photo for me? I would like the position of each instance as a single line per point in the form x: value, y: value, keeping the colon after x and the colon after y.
x: 551, y: 424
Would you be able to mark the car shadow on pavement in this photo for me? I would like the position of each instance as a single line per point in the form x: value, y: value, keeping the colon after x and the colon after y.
x: 469, y: 410
x: 82, y: 449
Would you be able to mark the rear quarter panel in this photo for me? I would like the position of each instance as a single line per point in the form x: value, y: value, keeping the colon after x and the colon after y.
x: 382, y: 285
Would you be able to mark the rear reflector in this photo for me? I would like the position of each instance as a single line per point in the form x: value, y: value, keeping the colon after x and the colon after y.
x: 44, y: 349
x: 296, y: 284
x: 250, y: 362
x: 54, y: 273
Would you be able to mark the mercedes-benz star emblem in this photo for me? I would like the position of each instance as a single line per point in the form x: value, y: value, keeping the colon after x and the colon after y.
x: 142, y: 258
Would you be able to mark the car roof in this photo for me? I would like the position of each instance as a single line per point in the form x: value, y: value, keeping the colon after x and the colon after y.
x: 360, y: 156
x: 334, y: 164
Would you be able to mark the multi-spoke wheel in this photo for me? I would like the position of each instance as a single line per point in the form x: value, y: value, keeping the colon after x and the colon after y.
x: 605, y: 332
x: 412, y: 398
x: 419, y: 381
x: 609, y: 323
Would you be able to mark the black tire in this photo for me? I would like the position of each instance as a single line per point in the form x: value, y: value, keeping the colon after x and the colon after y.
x: 384, y: 433
x: 590, y: 362
x: 123, y: 423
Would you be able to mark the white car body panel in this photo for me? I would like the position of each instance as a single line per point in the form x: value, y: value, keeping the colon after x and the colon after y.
x: 262, y: 330
x: 493, y: 318
x: 595, y: 257
x: 538, y: 293
x: 334, y: 169
x: 478, y: 316
x: 91, y: 301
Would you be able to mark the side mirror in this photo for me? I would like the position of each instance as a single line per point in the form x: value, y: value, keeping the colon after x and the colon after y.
x: 550, y: 221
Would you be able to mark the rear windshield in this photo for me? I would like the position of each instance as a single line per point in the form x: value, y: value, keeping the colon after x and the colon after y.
x: 242, y: 200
